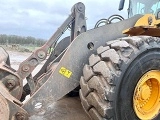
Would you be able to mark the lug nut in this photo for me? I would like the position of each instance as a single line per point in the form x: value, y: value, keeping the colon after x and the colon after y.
x: 21, y: 116
x: 41, y: 54
x: 25, y: 68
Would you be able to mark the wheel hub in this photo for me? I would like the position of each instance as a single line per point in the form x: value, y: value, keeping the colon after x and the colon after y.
x: 147, y: 95
x: 145, y: 92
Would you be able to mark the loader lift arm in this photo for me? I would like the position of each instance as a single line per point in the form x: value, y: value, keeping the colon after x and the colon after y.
x: 78, y: 25
x: 76, y: 22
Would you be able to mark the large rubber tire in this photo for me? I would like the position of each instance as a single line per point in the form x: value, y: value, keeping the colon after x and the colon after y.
x: 109, y: 81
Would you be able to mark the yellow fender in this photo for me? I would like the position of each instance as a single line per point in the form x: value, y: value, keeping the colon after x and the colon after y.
x: 146, y: 25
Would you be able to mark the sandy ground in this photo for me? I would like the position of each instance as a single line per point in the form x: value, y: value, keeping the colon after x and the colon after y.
x: 65, y: 109
x: 17, y: 57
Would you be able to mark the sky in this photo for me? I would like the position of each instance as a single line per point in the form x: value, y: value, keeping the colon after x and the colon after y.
x: 41, y: 18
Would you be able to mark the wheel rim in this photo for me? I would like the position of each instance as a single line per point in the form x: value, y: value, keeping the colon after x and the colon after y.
x: 146, y: 99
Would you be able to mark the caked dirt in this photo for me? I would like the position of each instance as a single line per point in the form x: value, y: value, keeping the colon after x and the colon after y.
x: 68, y: 108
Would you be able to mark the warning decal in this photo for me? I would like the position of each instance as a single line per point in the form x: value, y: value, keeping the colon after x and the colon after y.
x: 65, y: 72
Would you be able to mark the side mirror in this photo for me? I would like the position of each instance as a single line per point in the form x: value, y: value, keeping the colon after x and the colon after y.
x: 121, y: 5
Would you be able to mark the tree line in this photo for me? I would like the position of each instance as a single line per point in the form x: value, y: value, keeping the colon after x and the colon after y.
x: 14, y: 39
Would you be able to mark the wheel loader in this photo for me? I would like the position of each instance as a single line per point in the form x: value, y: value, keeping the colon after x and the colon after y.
x: 110, y: 72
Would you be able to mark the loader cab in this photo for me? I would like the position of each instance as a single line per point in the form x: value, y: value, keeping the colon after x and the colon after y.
x: 142, y: 7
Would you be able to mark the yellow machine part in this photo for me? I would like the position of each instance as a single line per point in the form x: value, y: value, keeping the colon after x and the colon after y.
x: 146, y: 25
x: 146, y: 99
